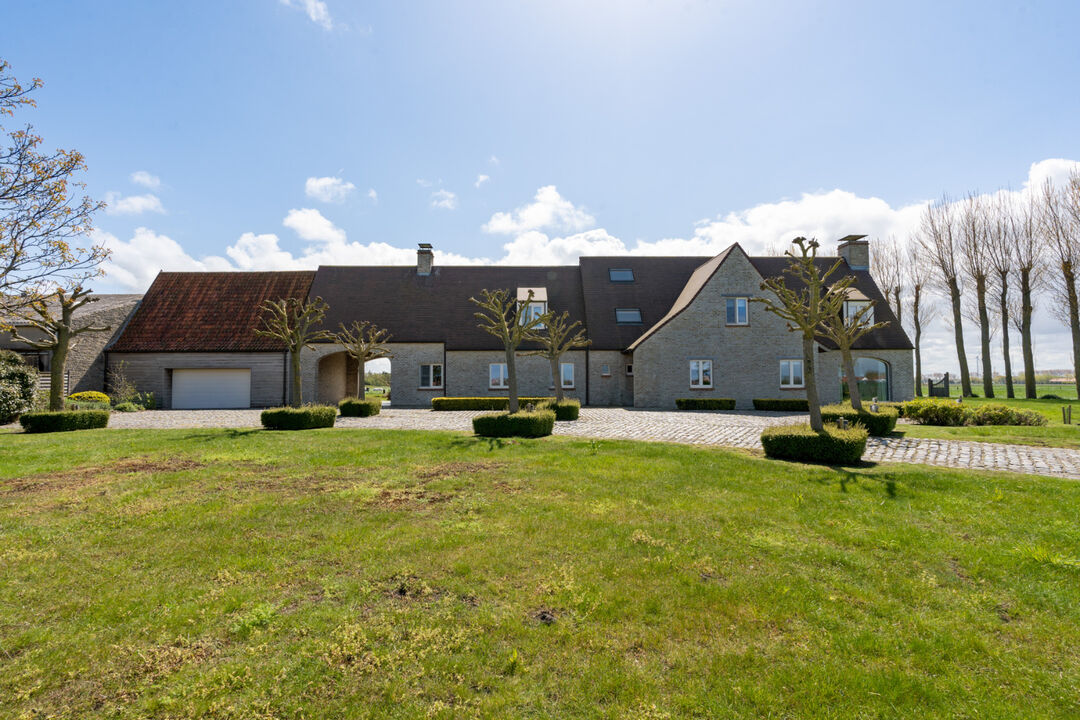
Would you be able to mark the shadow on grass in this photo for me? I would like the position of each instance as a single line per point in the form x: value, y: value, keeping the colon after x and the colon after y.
x: 217, y: 433
x: 473, y: 441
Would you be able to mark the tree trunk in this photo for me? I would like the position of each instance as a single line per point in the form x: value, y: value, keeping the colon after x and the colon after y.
x: 556, y: 378
x: 361, y: 387
x: 958, y: 330
x: 56, y: 372
x: 918, y: 341
x: 984, y: 337
x: 297, y: 398
x: 899, y: 306
x: 511, y: 381
x: 852, y: 383
x: 810, y: 381
x: 1030, y: 391
x: 1010, y: 392
x: 1074, y: 318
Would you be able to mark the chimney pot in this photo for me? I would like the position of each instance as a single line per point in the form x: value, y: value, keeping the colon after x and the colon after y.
x: 425, y: 258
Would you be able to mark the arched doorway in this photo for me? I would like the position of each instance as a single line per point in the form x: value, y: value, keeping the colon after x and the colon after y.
x: 872, y: 376
x: 337, y: 377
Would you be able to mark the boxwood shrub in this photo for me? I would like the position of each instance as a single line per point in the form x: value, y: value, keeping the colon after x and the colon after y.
x: 705, y: 403
x: 520, y: 424
x: 878, y: 424
x: 936, y: 412
x: 89, y: 396
x: 64, y: 420
x: 482, y: 403
x: 784, y: 404
x: 565, y: 410
x: 799, y: 442
x: 355, y: 407
x: 301, y: 418
x: 999, y: 414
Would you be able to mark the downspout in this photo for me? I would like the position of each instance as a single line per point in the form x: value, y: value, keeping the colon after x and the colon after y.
x: 285, y: 379
x: 445, y: 381
x: 586, y: 376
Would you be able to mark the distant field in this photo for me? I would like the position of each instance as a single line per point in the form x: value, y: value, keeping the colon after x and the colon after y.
x: 1063, y: 391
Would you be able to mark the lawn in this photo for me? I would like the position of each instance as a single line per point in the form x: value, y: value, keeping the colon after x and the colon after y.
x: 1055, y: 434
x: 1067, y: 391
x: 351, y: 573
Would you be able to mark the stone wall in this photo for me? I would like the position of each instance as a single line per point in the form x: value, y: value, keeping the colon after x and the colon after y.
x: 152, y: 372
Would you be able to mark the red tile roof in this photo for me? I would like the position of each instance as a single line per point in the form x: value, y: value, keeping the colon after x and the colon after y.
x: 206, y: 312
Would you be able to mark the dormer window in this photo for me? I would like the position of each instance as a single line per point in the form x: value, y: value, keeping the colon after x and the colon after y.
x: 537, y: 304
x: 620, y: 275
x: 533, y: 311
x: 628, y: 316
x: 854, y: 307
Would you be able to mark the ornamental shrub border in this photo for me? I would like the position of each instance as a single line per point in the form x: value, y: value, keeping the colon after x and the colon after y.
x: 705, y: 403
x: 878, y: 424
x: 950, y: 413
x: 799, y: 442
x: 302, y: 418
x: 520, y: 424
x: 64, y: 420
x: 782, y: 404
x: 355, y: 407
x: 483, y: 403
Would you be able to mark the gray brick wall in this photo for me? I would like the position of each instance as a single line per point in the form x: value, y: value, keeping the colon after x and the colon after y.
x: 405, y: 373
x: 467, y: 374
x: 151, y: 372
x: 615, y: 389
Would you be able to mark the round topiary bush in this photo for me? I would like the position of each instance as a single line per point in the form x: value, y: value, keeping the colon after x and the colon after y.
x: 301, y: 418
x: 64, y: 420
x: 936, y: 412
x: 355, y: 407
x: 833, y: 446
x: 565, y: 410
x: 520, y: 424
x: 89, y: 396
x: 878, y: 424
x: 18, y: 386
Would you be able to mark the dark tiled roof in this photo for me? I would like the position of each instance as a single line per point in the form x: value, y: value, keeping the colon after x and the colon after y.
x: 657, y: 283
x: 208, y: 311
x: 436, y: 307
x: 890, y: 337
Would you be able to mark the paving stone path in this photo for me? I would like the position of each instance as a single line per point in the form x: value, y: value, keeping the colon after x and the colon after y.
x: 728, y: 429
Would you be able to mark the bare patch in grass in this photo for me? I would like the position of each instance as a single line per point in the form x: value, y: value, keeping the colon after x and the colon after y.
x: 545, y: 616
x: 442, y: 471
x: 95, y: 474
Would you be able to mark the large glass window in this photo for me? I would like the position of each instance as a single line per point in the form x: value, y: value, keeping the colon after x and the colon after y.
x: 791, y: 374
x: 566, y: 372
x: 736, y: 311
x: 620, y: 274
x: 872, y: 377
x: 628, y: 315
x: 497, y: 377
x: 701, y: 373
x: 431, y: 376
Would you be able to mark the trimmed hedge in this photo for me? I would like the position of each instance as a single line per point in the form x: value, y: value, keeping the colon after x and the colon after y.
x: 355, y: 407
x: 482, y: 403
x: 64, y: 420
x: 705, y: 403
x: 127, y: 407
x: 519, y: 424
x: 783, y: 404
x: 953, y: 414
x: 565, y: 410
x: 302, y: 418
x: 878, y: 424
x: 999, y: 414
x: 799, y: 442
x: 89, y: 396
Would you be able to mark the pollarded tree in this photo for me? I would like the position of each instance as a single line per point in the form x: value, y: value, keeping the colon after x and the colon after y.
x: 364, y: 342
x: 292, y: 321
x: 845, y: 329
x: 558, y: 337
x: 1061, y: 228
x: 975, y: 260
x: 805, y: 309
x: 54, y: 317
x: 887, y: 269
x: 508, y: 319
x: 923, y: 308
x: 1001, y: 234
x: 1030, y: 252
x: 43, y: 225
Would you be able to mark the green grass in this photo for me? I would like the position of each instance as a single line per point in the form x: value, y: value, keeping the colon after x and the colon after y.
x: 351, y: 573
x: 1055, y: 434
x: 1064, y: 391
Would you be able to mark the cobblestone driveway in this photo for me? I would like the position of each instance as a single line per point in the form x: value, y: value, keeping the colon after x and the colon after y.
x: 734, y: 429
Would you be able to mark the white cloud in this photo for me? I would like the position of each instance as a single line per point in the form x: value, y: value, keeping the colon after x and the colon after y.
x: 316, y: 11
x: 141, y: 177
x: 328, y: 189
x: 117, y: 204
x: 494, y: 161
x: 423, y: 182
x: 373, y: 195
x: 132, y: 265
x: 310, y: 224
x: 549, y: 210
x: 443, y: 199
x: 481, y: 179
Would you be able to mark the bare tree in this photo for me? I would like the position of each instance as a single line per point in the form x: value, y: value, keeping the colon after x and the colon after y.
x: 887, y: 269
x: 940, y: 240
x: 41, y: 222
x: 845, y: 329
x: 975, y: 261
x: 1029, y: 251
x: 54, y: 318
x: 291, y: 321
x: 507, y: 318
x: 923, y: 308
x: 558, y: 337
x: 805, y: 310
x: 1060, y: 223
x: 1001, y: 234
x: 364, y: 342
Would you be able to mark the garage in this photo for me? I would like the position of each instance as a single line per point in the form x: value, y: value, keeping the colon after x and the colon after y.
x: 205, y: 388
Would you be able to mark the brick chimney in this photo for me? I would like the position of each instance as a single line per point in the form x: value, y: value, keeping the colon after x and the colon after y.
x: 856, y: 250
x: 425, y: 258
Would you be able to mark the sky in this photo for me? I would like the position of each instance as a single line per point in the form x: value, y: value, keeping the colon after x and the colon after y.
x: 272, y: 134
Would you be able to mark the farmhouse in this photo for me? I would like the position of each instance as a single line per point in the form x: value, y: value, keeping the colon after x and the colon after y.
x: 661, y: 328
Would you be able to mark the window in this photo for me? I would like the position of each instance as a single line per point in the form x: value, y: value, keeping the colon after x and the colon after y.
x: 628, y: 316
x: 791, y: 375
x: 736, y: 311
x: 566, y: 372
x: 431, y: 376
x: 42, y: 362
x: 701, y: 373
x: 852, y: 308
x: 605, y: 371
x: 629, y: 371
x: 497, y: 377
x: 872, y: 378
x: 620, y: 275
x: 534, y: 310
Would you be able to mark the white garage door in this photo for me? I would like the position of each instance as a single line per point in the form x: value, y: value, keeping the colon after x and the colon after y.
x: 216, y: 388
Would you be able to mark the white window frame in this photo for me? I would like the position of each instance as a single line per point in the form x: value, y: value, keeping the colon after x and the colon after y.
x: 504, y: 377
x: 745, y: 311
x: 851, y: 307
x: 630, y: 370
x: 787, y: 377
x: 702, y: 364
x: 431, y: 376
x: 534, y: 310
x: 605, y: 370
x: 562, y: 375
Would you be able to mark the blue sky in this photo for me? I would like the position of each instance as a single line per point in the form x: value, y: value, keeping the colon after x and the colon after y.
x: 662, y: 127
